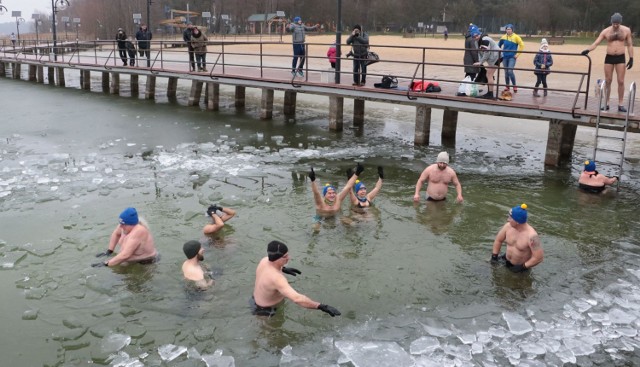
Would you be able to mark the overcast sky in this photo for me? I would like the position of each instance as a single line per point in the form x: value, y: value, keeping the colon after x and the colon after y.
x: 27, y: 7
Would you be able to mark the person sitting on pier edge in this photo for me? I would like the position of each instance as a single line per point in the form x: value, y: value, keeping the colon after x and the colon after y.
x: 218, y: 220
x: 192, y: 267
x: 135, y: 240
x: 329, y: 202
x: 131, y: 51
x: 524, y: 250
x: 592, y: 181
x: 359, y: 42
x: 438, y: 176
x: 121, y: 39
x: 186, y: 36
x: 298, y: 36
x: 489, y: 55
x: 271, y: 286
x: 144, y: 36
x: 199, y: 45
x: 359, y: 196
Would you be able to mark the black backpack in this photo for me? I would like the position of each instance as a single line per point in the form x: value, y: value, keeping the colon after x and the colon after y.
x: 388, y: 82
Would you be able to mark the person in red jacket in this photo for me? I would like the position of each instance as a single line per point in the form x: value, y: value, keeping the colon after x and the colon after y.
x: 331, y: 54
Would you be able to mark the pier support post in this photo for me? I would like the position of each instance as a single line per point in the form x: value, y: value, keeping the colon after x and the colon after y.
x: 358, y: 112
x: 32, y: 73
x: 172, y: 87
x: 423, y: 125
x: 51, y: 74
x: 115, y: 84
x: 194, y: 95
x: 560, y: 139
x: 266, y: 104
x: 40, y: 74
x: 105, y: 82
x: 449, y: 127
x: 135, y: 85
x: 240, y: 97
x: 16, y: 70
x: 60, y: 77
x: 3, y: 69
x: 336, y: 116
x: 150, y: 91
x: 213, y: 96
x: 85, y: 79
x: 289, y: 108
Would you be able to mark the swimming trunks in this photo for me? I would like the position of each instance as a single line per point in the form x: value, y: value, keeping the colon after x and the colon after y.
x: 514, y: 268
x: 429, y: 198
x: 259, y: 310
x: 151, y: 260
x: 591, y: 189
x: 615, y: 59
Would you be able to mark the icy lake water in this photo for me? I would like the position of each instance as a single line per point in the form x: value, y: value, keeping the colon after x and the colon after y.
x: 413, y: 282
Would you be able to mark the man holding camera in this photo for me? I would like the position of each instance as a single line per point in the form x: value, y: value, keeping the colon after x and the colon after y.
x: 359, y: 42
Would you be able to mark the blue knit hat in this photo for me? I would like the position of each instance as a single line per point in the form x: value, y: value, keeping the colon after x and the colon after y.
x: 474, y: 31
x: 326, y: 188
x: 519, y: 213
x: 129, y: 217
x: 359, y: 185
x: 297, y: 19
x: 509, y: 26
x: 589, y: 166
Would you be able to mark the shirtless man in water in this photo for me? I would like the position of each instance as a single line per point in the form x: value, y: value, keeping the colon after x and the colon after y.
x: 618, y: 37
x: 272, y: 287
x: 192, y: 267
x: 438, y: 176
x: 592, y: 181
x: 523, y: 244
x: 329, y: 201
x: 135, y: 240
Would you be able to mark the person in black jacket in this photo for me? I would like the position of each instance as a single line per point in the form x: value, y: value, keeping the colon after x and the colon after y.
x: 186, y: 36
x: 131, y: 50
x: 359, y: 42
x: 121, y: 38
x: 144, y: 42
x: 470, y: 54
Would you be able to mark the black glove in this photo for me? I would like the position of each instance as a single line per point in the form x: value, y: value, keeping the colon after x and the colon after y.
x: 585, y: 52
x: 312, y: 175
x: 495, y: 257
x: 349, y: 173
x: 99, y: 264
x: 380, y: 172
x: 106, y: 253
x: 212, y: 209
x: 330, y: 310
x: 291, y: 271
x: 630, y: 63
x: 359, y: 169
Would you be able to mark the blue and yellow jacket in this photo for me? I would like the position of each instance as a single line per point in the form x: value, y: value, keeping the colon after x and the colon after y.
x: 511, y: 45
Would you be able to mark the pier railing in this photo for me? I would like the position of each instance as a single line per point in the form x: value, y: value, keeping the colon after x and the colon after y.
x: 273, y: 60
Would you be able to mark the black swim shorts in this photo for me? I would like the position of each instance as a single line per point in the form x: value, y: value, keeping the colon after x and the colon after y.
x: 615, y: 59
x: 429, y: 198
x: 591, y: 189
x: 259, y: 310
x: 514, y: 268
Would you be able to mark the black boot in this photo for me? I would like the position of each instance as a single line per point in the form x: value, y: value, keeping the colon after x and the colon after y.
x: 488, y: 95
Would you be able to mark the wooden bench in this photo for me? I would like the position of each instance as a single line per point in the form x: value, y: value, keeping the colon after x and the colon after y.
x: 556, y: 40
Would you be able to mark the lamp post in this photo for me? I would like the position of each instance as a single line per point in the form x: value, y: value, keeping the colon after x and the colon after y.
x: 77, y: 23
x: 18, y: 21
x: 55, y: 5
x: 65, y: 20
x: 338, y: 41
x: 38, y: 22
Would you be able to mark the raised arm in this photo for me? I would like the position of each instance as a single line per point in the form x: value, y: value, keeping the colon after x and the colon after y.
x: 227, y: 213
x: 214, y: 227
x: 537, y: 253
x: 373, y: 193
x: 352, y: 181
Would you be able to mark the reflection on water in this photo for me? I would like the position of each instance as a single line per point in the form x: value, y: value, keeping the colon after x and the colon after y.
x: 410, y: 279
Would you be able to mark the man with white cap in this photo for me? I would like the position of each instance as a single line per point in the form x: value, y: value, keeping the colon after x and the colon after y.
x: 135, y: 240
x: 524, y: 250
x: 618, y: 37
x: 438, y: 177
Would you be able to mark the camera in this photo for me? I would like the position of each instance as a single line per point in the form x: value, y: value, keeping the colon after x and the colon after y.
x: 350, y: 54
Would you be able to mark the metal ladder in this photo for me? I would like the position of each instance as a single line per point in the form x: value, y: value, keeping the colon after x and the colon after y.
x: 619, y: 142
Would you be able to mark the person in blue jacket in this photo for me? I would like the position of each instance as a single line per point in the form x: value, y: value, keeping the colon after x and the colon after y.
x: 542, y: 62
x: 512, y: 46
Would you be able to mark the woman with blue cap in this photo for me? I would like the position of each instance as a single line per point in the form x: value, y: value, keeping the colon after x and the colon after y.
x: 524, y: 250
x: 329, y: 201
x: 360, y: 198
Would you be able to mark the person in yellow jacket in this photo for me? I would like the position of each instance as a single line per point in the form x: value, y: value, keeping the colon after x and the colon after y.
x: 511, y: 45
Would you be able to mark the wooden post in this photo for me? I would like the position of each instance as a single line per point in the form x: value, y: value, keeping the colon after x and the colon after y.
x: 172, y: 87
x: 266, y: 104
x: 40, y: 74
x: 423, y: 125
x: 85, y: 79
x: 196, y: 91
x: 560, y: 139
x: 115, y: 84
x: 60, y: 75
x: 240, y: 97
x: 336, y: 115
x: 358, y: 112
x: 150, y: 91
x: 105, y: 82
x: 16, y: 70
x: 3, y: 69
x: 449, y: 127
x: 51, y: 74
x: 289, y: 108
x: 135, y: 85
x: 32, y: 73
x: 213, y: 96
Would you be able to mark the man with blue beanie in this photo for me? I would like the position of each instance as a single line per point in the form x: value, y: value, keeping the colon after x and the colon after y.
x: 512, y: 46
x: 298, y: 35
x: 593, y: 182
x: 135, y: 240
x: 329, y: 202
x: 524, y: 250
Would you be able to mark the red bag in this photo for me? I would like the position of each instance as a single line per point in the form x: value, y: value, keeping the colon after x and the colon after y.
x: 425, y: 86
